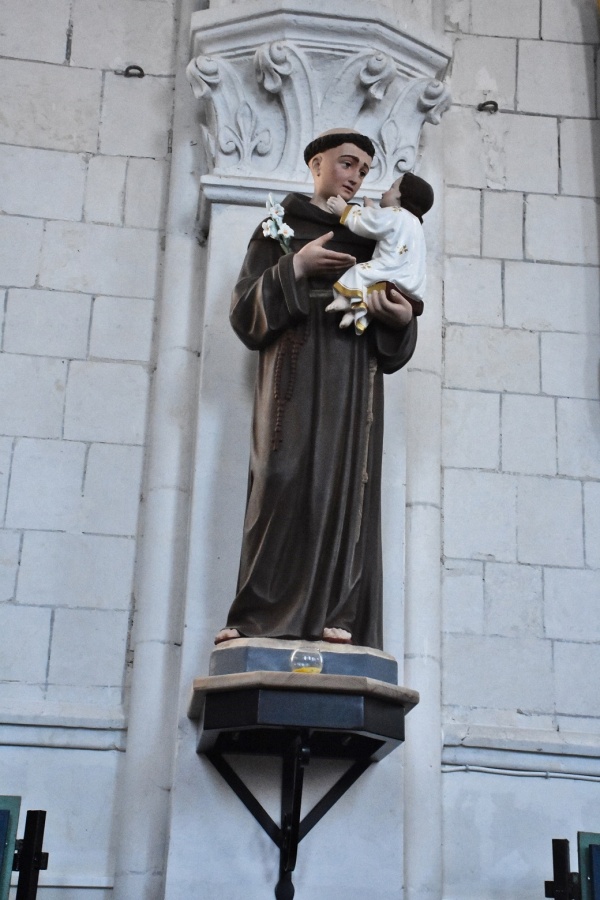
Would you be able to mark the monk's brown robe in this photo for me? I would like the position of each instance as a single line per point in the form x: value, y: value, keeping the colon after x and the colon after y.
x: 311, y: 552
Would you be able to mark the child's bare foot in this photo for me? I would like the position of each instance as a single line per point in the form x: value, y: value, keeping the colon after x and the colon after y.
x: 227, y: 634
x: 337, y: 636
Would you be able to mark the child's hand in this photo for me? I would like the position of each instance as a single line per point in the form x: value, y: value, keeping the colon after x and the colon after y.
x: 368, y: 202
x: 336, y: 205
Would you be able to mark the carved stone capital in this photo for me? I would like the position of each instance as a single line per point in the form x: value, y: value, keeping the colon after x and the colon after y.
x: 270, y: 76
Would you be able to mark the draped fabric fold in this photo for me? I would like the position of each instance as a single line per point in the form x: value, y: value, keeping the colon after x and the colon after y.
x: 311, y: 551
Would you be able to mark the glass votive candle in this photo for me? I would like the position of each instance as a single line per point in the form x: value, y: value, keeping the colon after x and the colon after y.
x: 306, y: 660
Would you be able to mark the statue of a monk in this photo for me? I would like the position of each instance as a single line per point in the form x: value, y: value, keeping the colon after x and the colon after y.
x: 311, y: 554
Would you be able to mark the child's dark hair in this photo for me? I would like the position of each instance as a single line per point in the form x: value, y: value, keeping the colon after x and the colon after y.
x: 416, y: 195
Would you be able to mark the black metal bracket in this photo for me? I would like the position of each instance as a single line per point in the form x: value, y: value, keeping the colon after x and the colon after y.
x: 29, y: 857
x: 297, y: 718
x: 296, y: 756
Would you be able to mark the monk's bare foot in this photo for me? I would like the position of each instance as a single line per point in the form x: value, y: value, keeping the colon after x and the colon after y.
x: 227, y: 634
x: 337, y: 636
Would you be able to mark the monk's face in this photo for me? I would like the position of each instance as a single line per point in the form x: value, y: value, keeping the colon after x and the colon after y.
x: 340, y: 170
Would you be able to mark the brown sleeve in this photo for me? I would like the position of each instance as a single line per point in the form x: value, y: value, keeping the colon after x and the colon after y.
x: 267, y: 298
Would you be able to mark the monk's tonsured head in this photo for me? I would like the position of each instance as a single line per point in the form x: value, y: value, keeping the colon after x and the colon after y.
x: 339, y: 160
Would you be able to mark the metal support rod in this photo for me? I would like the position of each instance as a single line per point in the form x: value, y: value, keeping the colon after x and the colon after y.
x: 246, y: 796
x: 295, y: 758
x: 332, y: 796
x: 30, y: 858
x: 565, y: 885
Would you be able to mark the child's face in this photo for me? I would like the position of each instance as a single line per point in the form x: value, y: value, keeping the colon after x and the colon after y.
x: 391, y: 197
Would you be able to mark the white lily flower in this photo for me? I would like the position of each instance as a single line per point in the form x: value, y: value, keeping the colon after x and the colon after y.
x: 285, y: 231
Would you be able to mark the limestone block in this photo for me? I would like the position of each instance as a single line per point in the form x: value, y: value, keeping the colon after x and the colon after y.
x: 76, y: 570
x: 35, y: 30
x: 122, y: 328
x: 576, y: 692
x: 112, y: 34
x: 473, y: 291
x: 591, y: 502
x: 462, y: 222
x: 570, y: 20
x: 145, y: 198
x: 513, y: 600
x: 41, y: 183
x: 45, y: 485
x: 571, y: 604
x: 579, y: 139
x: 577, y: 424
x: 491, y: 359
x: 522, y: 152
x: 498, y: 672
x: 508, y: 152
x: 528, y: 435
x: 10, y: 544
x: 99, y: 259
x: 32, y: 396
x: 98, y: 698
x: 547, y: 238
x: 552, y: 297
x: 20, y: 246
x: 106, y: 402
x: 47, y: 323
x: 470, y: 430
x: 479, y: 516
x: 76, y: 783
x: 531, y: 154
x: 34, y: 117
x: 542, y: 86
x: 484, y: 69
x: 550, y: 522
x: 136, y: 116
x: 502, y: 225
x: 457, y: 15
x: 464, y: 163
x: 25, y: 636
x: 570, y: 365
x: 462, y: 597
x: 6, y: 448
x: 511, y: 821
x: 511, y: 18
x: 88, y: 647
x: 113, y: 511
x: 105, y: 189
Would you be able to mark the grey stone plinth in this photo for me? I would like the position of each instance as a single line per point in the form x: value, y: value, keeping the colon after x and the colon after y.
x: 273, y: 655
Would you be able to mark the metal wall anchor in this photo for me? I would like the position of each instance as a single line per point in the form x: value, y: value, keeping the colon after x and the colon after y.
x: 133, y: 72
x: 489, y: 106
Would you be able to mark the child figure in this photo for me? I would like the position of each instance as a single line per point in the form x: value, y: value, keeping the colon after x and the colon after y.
x: 399, y: 258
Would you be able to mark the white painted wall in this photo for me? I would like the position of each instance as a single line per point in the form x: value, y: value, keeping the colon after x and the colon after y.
x: 84, y: 165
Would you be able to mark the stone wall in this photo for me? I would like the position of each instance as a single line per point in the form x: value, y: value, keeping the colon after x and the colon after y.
x: 84, y: 162
x: 521, y: 434
x: 85, y: 156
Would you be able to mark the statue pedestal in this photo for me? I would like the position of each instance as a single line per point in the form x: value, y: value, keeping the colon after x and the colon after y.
x: 297, y: 716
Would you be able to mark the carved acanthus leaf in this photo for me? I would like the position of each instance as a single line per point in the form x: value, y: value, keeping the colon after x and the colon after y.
x: 434, y: 101
x: 378, y: 73
x: 244, y: 137
x: 283, y: 69
x: 231, y: 125
x: 262, y: 107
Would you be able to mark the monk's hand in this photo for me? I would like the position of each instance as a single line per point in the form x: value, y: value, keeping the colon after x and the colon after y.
x: 336, y: 205
x: 315, y: 259
x: 396, y: 313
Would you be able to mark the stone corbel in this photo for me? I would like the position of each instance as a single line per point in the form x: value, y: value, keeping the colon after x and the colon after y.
x: 271, y: 76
